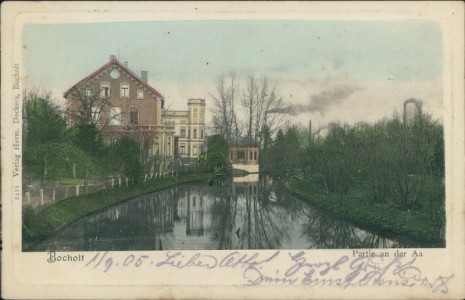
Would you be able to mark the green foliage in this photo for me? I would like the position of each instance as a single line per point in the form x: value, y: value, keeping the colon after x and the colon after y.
x: 122, y: 158
x: 88, y: 138
x: 217, y: 162
x: 44, y: 123
x: 388, y: 167
x: 217, y: 154
x: 57, y: 160
x: 53, y: 152
x: 284, y: 153
x: 34, y: 225
x: 381, y: 217
x: 217, y: 144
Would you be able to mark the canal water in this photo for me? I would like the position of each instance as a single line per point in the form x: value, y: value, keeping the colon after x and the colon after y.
x: 248, y: 212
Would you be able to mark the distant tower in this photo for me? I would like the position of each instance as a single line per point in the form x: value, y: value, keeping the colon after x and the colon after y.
x: 412, y: 108
x: 196, y: 126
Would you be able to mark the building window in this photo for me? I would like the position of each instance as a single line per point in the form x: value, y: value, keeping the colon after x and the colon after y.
x: 104, y: 90
x: 182, y: 149
x: 124, y: 90
x: 195, y: 117
x: 194, y: 150
x: 133, y: 115
x: 255, y: 155
x: 88, y: 92
x: 115, y: 116
x: 140, y: 94
x: 201, y: 133
x: 195, y: 133
x: 183, y: 132
x: 250, y: 155
x: 95, y: 114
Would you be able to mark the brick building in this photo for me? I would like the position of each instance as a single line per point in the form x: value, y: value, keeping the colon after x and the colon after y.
x: 121, y: 103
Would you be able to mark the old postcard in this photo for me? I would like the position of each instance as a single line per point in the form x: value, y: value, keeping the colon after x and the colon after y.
x: 259, y: 150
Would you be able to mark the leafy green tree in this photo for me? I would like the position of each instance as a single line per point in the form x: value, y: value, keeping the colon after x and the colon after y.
x: 44, y: 123
x: 59, y: 160
x: 266, y: 152
x: 339, y: 148
x: 373, y: 159
x: 277, y: 149
x: 217, y: 143
x: 48, y: 153
x: 291, y: 155
x: 217, y: 154
x: 284, y: 154
x: 88, y: 138
x: 122, y: 158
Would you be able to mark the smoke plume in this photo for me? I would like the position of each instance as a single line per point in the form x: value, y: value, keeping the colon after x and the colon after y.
x: 321, y: 102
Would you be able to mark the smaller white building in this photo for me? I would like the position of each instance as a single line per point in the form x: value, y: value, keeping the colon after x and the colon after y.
x: 189, y: 127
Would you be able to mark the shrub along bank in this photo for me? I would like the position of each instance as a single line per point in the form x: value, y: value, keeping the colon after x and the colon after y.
x: 37, y: 226
x: 383, y: 218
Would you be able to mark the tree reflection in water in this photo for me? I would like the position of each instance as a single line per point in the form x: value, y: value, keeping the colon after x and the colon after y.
x: 247, y: 220
x: 325, y: 232
x: 252, y: 212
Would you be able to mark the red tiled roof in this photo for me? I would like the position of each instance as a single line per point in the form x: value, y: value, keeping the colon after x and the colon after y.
x: 111, y: 62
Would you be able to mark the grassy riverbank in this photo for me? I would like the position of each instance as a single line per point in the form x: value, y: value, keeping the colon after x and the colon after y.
x: 384, y: 218
x: 37, y: 226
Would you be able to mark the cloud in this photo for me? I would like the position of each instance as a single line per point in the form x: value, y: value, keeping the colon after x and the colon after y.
x: 323, y: 101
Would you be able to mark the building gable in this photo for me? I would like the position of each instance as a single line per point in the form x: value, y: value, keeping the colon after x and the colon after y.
x: 106, y: 70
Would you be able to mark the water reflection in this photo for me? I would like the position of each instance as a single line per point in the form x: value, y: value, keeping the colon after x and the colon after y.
x: 245, y: 213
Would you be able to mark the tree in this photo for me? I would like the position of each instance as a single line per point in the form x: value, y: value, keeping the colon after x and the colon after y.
x: 122, y: 158
x: 249, y: 103
x: 85, y: 108
x: 51, y: 150
x: 44, y: 122
x: 59, y: 160
x: 268, y: 104
x: 88, y: 138
x: 224, y: 115
x: 373, y: 159
x: 259, y: 102
x: 339, y: 151
x: 217, y: 153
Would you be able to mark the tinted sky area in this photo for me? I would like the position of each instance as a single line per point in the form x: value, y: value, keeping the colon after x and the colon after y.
x: 346, y: 71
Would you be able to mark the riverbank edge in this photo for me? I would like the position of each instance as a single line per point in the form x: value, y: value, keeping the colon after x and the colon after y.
x: 38, y: 226
x: 376, y: 218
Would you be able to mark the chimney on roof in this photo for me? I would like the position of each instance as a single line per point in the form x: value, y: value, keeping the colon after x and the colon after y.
x: 126, y: 64
x: 144, y: 75
x: 112, y: 57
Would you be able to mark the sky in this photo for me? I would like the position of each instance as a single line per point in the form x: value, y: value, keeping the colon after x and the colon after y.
x: 325, y: 71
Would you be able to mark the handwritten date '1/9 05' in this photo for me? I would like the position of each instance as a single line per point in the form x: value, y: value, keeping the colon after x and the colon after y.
x: 178, y: 260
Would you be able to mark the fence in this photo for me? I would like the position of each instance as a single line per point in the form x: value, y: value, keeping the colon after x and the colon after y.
x: 38, y: 195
